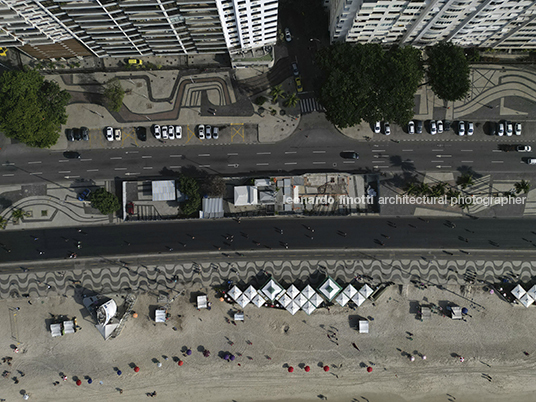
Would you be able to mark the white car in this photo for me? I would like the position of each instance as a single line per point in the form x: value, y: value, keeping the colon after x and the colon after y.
x: 531, y: 161
x: 524, y: 148
x: 509, y: 129
x: 500, y: 131
x: 433, y: 127
x: 178, y: 132
x: 215, y: 134
x: 377, y: 128
x: 208, y: 132
x: 461, y: 128
x: 201, y: 132
x: 171, y: 132
x: 156, y: 132
x: 117, y: 134
x: 439, y: 126
x: 164, y: 133
x: 411, y: 127
x: 470, y: 128
x: 109, y: 133
x: 288, y: 36
x: 387, y: 128
x: 518, y: 128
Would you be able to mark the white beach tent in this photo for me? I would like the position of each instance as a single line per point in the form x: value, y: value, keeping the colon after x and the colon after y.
x: 329, y: 289
x: 300, y: 300
x: 342, y: 299
x: 258, y: 300
x: 285, y: 300
x: 250, y: 292
x: 358, y: 299
x: 56, y: 330
x: 526, y: 300
x: 349, y: 291
x: 243, y: 300
x: 308, y: 308
x: 308, y: 292
x: 160, y: 314
x: 292, y: 291
x: 532, y: 292
x: 68, y: 327
x: 316, y: 300
x: 235, y: 293
x: 366, y: 291
x: 292, y: 307
x: 518, y: 291
x: 272, y: 290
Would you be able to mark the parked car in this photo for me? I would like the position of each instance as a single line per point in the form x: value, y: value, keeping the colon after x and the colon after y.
x: 215, y: 133
x: 518, y: 128
x: 109, y: 133
x: 524, y: 148
x: 164, y: 132
x: 461, y: 128
x: 295, y: 70
x: 201, y: 131
x: 142, y: 133
x: 377, y: 128
x: 171, y: 132
x: 492, y: 128
x: 77, y: 134
x: 386, y: 128
x: 69, y: 134
x: 439, y: 126
x: 85, y: 133
x: 531, y: 161
x: 117, y: 134
x: 500, y: 131
x: 349, y: 155
x: 509, y: 129
x: 84, y: 195
x: 136, y: 62
x: 433, y: 127
x: 157, y: 132
x: 288, y: 36
x: 208, y: 132
x: 178, y: 132
x: 71, y: 155
x: 411, y: 127
x: 470, y: 128
x: 418, y: 126
x: 299, y: 87
x: 447, y: 126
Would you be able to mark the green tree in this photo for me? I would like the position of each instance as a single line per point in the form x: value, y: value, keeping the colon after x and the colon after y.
x: 260, y: 100
x: 412, y: 189
x: 522, y: 186
x: 465, y: 180
x: 114, y: 94
x: 20, y: 213
x: 292, y: 100
x: 3, y: 222
x: 214, y: 186
x: 438, y: 190
x: 104, y: 201
x: 448, y: 71
x: 190, y: 187
x: 32, y: 109
x: 276, y: 93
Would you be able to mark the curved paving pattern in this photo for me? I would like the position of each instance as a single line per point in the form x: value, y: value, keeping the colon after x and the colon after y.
x: 158, y: 278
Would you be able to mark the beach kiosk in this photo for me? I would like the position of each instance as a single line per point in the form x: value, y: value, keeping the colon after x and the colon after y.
x: 160, y: 315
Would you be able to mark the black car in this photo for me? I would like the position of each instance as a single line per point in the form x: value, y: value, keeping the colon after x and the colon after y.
x: 349, y: 155
x: 446, y: 125
x: 141, y: 133
x: 418, y: 126
x: 71, y: 155
x: 77, y: 134
x: 69, y: 134
x: 85, y: 133
x: 492, y: 128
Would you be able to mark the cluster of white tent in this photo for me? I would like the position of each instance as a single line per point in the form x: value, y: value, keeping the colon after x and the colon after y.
x: 293, y: 300
x: 524, y: 297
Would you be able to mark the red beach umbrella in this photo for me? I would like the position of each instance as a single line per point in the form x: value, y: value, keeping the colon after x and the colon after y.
x: 291, y: 369
x: 78, y: 382
x: 136, y: 369
x: 369, y: 369
x: 180, y: 363
x: 307, y: 369
x: 326, y: 368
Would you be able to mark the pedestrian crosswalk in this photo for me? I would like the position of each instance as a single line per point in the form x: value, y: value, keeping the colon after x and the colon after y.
x: 310, y: 105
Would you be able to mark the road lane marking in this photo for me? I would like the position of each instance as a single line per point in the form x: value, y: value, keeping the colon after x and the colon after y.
x: 85, y: 160
x: 232, y: 154
x: 92, y: 170
x: 467, y: 150
x: 467, y: 161
x: 262, y: 164
x: 131, y: 174
x: 175, y: 167
x: 203, y: 155
x: 33, y: 163
x: 407, y: 150
x: 291, y: 163
x: 348, y: 161
x: 496, y: 150
x: 64, y: 171
x: 8, y: 175
x: 319, y: 152
x: 264, y: 153
x: 319, y: 163
x: 147, y: 167
x: 8, y: 164
x: 290, y: 152
x: 497, y: 161
x: 63, y: 160
x: 437, y: 161
x: 146, y: 157
x: 175, y: 156
x: 120, y: 168
x: 378, y: 150
x: 116, y: 157
x: 34, y: 173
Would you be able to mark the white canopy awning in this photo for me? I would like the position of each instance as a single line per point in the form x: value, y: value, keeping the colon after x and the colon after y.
x: 308, y: 308
x: 292, y: 291
x: 292, y: 307
x: 366, y: 291
x: 342, y: 299
x: 250, y: 292
x: 308, y: 292
x: 243, y: 300
x: 349, y: 291
x: 235, y: 292
x: 526, y: 300
x: 358, y: 299
x: 56, y: 330
x: 160, y: 315
x: 258, y: 300
x: 532, y: 292
x: 106, y: 330
x: 363, y: 327
x: 518, y: 291
x: 272, y: 290
x: 329, y: 289
x: 300, y: 300
x: 316, y: 300
x: 284, y: 300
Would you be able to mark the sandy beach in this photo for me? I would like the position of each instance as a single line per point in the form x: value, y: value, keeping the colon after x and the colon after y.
x: 492, y: 341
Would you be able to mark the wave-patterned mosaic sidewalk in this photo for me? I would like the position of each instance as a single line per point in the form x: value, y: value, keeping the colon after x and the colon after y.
x: 170, y: 278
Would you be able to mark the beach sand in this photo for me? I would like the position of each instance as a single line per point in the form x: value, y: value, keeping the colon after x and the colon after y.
x: 492, y: 341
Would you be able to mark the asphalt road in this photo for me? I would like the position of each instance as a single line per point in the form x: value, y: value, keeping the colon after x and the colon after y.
x: 329, y: 234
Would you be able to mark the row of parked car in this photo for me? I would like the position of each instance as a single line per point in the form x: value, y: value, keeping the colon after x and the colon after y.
x: 463, y: 128
x: 208, y: 132
x: 77, y: 134
x: 167, y: 132
x: 113, y: 134
x: 504, y: 127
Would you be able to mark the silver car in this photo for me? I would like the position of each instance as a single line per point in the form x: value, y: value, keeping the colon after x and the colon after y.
x: 201, y: 132
x: 178, y: 132
x: 208, y: 132
x: 164, y: 133
x: 215, y: 133
x: 171, y: 132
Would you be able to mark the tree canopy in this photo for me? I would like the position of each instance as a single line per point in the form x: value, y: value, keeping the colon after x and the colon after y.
x: 448, y: 71
x: 190, y: 187
x: 32, y: 109
x: 114, y: 94
x: 104, y: 201
x: 363, y: 82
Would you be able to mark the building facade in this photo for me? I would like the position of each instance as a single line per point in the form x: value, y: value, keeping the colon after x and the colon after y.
x: 136, y: 28
x: 500, y: 24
